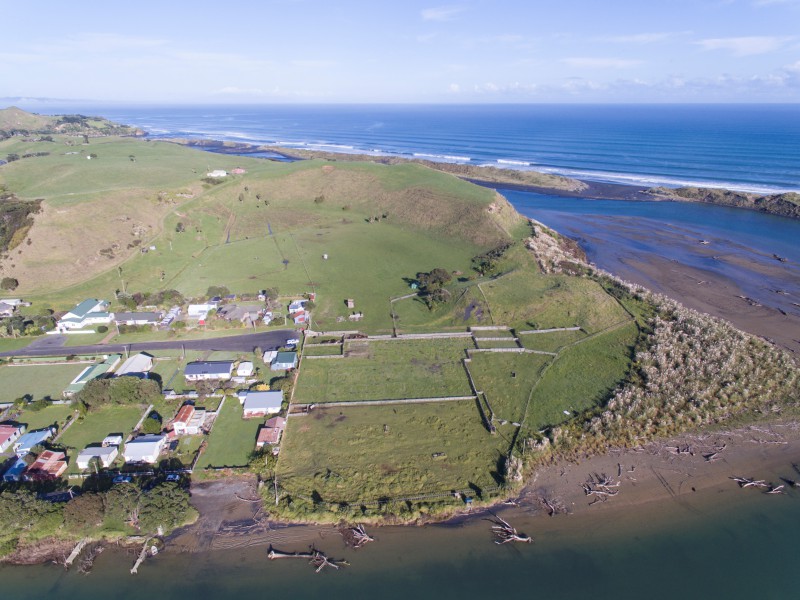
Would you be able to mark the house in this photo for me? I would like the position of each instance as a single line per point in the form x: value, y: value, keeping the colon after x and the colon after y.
x: 260, y: 404
x: 217, y: 173
x: 269, y: 356
x: 144, y: 449
x: 189, y: 420
x: 49, y: 464
x: 88, y: 312
x: 15, y: 302
x: 15, y: 471
x: 112, y: 439
x: 300, y: 317
x: 91, y: 372
x: 284, y: 361
x: 138, y: 318
x: 105, y: 455
x: 6, y: 310
x: 9, y: 433
x: 245, y: 369
x: 297, y: 306
x: 25, y: 442
x: 137, y: 365
x: 271, y: 432
x: 211, y: 369
x: 200, y: 311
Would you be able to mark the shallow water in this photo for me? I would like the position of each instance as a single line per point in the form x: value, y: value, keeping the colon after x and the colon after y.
x: 722, y: 544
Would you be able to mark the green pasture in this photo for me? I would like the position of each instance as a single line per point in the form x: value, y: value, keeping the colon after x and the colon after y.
x: 380, y: 370
x: 366, y: 453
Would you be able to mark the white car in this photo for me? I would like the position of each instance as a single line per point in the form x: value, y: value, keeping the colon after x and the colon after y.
x: 292, y: 342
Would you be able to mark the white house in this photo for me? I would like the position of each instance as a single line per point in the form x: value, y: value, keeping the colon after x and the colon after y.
x: 144, y: 449
x: 217, y: 173
x: 9, y: 433
x: 138, y: 318
x: 297, y: 306
x: 260, y: 404
x: 106, y: 455
x: 245, y: 369
x: 88, y: 312
x: 189, y: 420
x: 211, y: 369
x: 6, y: 310
x: 138, y: 364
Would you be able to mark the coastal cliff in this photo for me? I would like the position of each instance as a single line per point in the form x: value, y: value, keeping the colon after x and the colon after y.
x: 785, y: 205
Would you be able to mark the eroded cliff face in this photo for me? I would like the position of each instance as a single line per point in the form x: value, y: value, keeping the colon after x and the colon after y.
x: 554, y: 253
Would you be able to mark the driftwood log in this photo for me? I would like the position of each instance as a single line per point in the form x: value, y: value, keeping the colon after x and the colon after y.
x: 601, y: 486
x: 355, y: 537
x: 316, y: 558
x: 505, y: 533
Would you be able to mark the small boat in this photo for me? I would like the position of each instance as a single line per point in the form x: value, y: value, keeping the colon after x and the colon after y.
x: 780, y: 258
x: 705, y: 242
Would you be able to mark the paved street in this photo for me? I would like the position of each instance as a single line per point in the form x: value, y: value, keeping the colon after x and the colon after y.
x: 54, y: 344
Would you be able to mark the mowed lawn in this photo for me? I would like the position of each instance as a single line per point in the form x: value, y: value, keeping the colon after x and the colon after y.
x: 96, y: 425
x: 382, y: 370
x: 40, y: 381
x: 365, y: 453
x: 232, y: 438
x: 53, y: 415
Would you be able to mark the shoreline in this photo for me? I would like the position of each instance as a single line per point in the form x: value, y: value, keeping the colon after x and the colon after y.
x: 538, y: 182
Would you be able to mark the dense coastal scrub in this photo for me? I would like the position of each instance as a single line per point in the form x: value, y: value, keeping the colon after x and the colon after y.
x: 785, y: 205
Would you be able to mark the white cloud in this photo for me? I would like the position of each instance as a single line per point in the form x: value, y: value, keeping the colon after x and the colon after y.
x: 233, y: 90
x: 644, y: 38
x: 745, y: 46
x: 589, y: 62
x: 313, y: 64
x: 454, y: 88
x: 441, y: 13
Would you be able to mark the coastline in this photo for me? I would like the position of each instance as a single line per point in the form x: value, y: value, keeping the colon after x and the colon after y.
x: 780, y: 204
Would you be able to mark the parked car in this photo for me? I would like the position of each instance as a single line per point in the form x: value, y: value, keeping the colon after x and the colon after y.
x: 292, y: 342
x: 173, y: 477
x: 122, y: 479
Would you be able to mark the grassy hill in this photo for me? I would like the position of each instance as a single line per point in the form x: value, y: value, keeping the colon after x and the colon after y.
x: 15, y: 120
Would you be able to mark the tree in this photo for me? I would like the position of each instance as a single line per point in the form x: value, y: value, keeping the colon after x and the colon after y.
x: 84, y: 513
x: 180, y: 227
x: 121, y: 505
x: 119, y: 390
x: 12, y: 157
x: 217, y: 290
x: 166, y: 506
x: 21, y: 512
x: 9, y: 283
x: 152, y: 424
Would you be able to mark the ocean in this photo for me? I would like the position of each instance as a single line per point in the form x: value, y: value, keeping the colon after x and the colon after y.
x: 744, y: 147
x: 722, y: 544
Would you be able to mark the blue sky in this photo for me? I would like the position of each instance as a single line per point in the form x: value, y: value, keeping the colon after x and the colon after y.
x: 375, y: 51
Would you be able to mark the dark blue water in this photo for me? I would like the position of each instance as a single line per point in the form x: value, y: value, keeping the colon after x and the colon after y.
x: 746, y: 147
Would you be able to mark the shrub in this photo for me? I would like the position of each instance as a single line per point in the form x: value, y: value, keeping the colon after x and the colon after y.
x: 102, y: 329
x: 9, y: 283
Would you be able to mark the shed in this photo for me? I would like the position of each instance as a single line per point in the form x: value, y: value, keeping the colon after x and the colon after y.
x: 138, y: 364
x: 245, y: 369
x: 260, y: 404
x: 112, y: 439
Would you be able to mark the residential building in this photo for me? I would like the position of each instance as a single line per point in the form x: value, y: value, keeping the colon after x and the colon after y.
x: 9, y: 433
x: 138, y: 318
x: 245, y: 369
x: 138, y: 365
x: 6, y: 310
x: 260, y: 404
x: 284, y: 361
x: 15, y: 471
x: 205, y: 370
x: 92, y: 372
x: 217, y: 173
x: 88, y: 312
x: 25, y: 442
x: 181, y: 421
x: 105, y: 455
x: 144, y: 449
x: 270, y: 433
x: 48, y: 465
x: 297, y: 306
